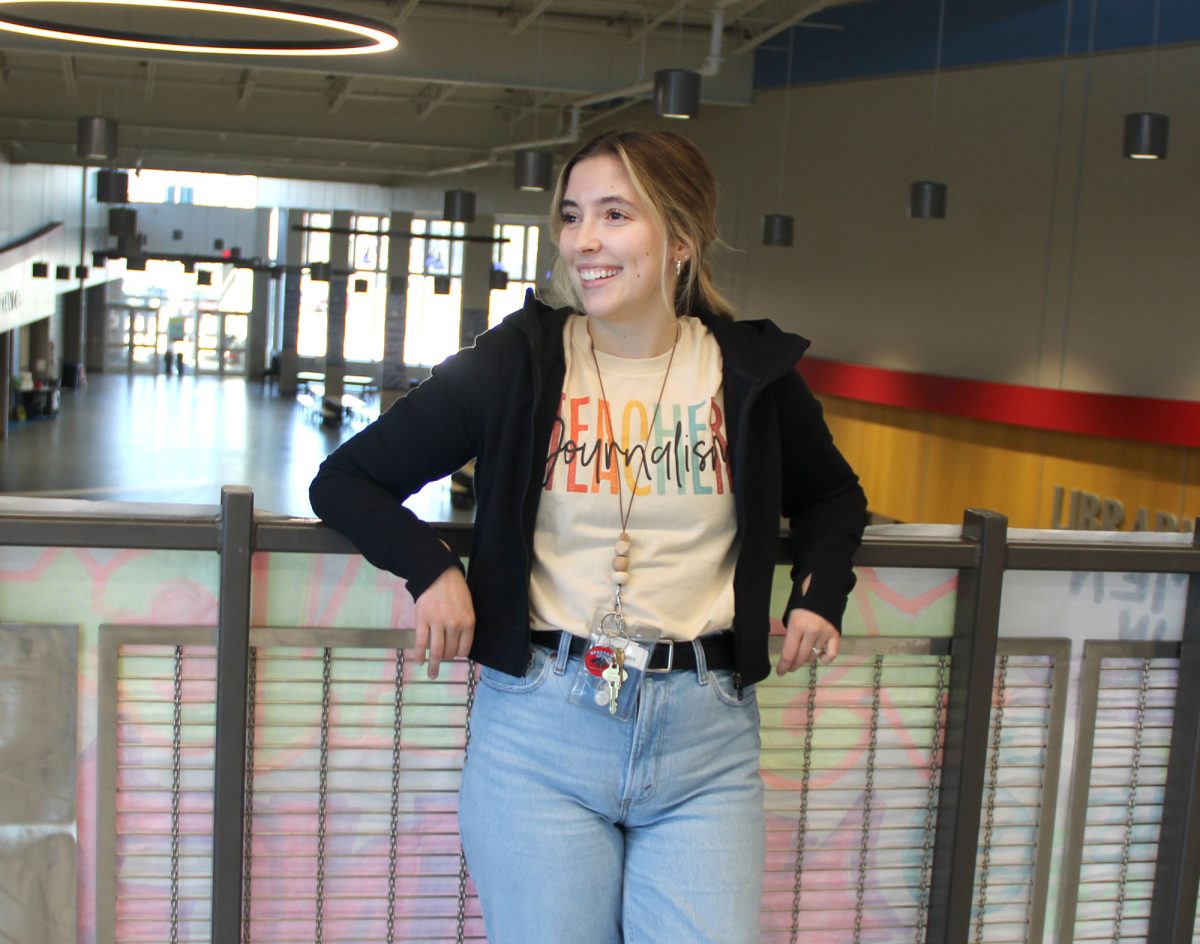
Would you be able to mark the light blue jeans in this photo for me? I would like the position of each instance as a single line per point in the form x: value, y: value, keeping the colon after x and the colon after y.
x: 580, y: 829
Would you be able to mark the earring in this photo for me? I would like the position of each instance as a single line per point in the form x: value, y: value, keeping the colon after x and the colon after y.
x: 678, y: 266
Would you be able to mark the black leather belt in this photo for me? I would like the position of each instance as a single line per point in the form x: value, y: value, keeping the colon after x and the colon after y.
x: 668, y: 655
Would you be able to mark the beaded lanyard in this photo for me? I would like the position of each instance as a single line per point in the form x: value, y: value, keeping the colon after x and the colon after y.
x: 624, y: 543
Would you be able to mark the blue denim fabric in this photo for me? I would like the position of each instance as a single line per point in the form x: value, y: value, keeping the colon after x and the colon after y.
x: 579, y: 829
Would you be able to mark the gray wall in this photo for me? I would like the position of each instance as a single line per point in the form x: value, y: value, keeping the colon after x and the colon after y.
x: 1061, y: 263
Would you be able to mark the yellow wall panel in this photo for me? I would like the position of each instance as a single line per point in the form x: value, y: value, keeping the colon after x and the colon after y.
x: 982, y: 465
x: 1191, y: 485
x: 1136, y: 474
x: 885, y: 446
x: 926, y: 467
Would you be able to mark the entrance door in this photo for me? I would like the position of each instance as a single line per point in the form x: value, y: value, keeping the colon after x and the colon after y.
x: 132, y: 340
x: 221, y: 343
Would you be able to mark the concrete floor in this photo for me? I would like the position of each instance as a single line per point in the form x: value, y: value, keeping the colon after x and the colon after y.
x: 168, y: 439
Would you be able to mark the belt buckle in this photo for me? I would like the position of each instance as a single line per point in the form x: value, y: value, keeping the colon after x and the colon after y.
x: 670, y: 656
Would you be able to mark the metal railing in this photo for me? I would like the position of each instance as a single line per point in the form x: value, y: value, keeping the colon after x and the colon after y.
x: 964, y: 750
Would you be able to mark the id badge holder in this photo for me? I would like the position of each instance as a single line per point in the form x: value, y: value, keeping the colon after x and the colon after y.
x: 611, y: 671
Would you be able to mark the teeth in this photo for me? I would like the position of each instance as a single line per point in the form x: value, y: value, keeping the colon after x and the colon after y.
x: 590, y: 275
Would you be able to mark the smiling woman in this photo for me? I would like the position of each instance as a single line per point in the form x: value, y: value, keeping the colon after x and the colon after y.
x: 633, y: 453
x: 316, y: 32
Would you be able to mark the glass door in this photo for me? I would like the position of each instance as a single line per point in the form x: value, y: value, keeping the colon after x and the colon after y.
x: 221, y: 343
x: 132, y: 340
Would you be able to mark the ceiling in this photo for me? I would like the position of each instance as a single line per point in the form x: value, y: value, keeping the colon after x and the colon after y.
x: 468, y: 82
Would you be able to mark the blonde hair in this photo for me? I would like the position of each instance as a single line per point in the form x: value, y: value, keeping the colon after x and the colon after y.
x: 678, y: 185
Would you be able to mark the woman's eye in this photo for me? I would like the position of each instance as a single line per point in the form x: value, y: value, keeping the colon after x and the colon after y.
x: 568, y: 217
x: 616, y: 215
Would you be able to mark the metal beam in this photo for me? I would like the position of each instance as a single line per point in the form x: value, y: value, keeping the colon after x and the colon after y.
x: 404, y: 14
x: 246, y: 83
x: 968, y: 718
x: 529, y: 18
x: 339, y: 90
x: 427, y: 106
x: 70, y: 76
x: 1177, y: 870
x: 149, y: 70
x: 229, y: 753
x: 759, y: 38
x: 655, y: 23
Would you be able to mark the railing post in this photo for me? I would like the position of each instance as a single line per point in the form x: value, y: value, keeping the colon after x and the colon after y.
x: 236, y: 547
x: 1177, y: 871
x: 968, y: 717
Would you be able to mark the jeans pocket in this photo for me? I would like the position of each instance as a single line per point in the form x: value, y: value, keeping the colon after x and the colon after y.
x: 540, y: 661
x: 722, y: 684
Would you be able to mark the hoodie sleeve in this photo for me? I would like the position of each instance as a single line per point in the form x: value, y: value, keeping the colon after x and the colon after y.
x: 424, y: 436
x: 823, y: 502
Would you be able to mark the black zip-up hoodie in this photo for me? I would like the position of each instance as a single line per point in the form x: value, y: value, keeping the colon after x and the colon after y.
x: 496, y: 402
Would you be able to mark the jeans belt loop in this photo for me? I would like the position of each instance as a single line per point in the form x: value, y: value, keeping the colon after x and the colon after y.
x: 670, y: 655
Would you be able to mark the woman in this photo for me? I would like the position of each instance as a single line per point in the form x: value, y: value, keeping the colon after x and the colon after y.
x: 633, y: 454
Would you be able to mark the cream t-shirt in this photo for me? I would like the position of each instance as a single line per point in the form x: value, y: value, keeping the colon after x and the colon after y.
x: 683, y: 523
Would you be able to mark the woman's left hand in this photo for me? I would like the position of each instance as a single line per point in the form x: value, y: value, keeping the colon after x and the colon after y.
x: 809, y: 637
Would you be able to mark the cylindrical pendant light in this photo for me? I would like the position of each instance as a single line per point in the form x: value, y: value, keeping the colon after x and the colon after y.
x: 777, y: 229
x: 1146, y: 135
x: 532, y: 170
x: 927, y: 200
x: 122, y: 221
x: 441, y: 285
x: 676, y: 93
x: 112, y: 186
x: 41, y: 270
x: 204, y: 277
x: 497, y: 280
x: 81, y: 272
x: 62, y: 273
x: 459, y: 206
x: 360, y: 286
x: 96, y: 139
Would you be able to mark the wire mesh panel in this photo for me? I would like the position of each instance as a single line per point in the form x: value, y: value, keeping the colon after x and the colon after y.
x: 1024, y: 742
x: 1127, y: 708
x: 352, y: 812
x: 354, y: 762
x: 851, y: 757
x: 352, y: 779
x: 165, y: 727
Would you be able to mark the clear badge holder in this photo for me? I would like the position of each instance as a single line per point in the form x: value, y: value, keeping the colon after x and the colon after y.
x: 613, y: 665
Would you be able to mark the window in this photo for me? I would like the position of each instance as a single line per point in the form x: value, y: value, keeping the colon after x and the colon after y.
x: 172, y: 186
x: 517, y: 257
x: 432, y: 320
x: 366, y: 311
x: 314, y: 296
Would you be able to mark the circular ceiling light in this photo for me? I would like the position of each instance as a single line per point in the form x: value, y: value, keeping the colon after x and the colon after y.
x: 352, y: 35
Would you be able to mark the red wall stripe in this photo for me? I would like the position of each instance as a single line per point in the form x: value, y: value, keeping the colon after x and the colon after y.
x: 1144, y: 419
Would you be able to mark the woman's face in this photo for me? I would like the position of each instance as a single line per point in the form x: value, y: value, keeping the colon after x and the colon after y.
x: 612, y: 244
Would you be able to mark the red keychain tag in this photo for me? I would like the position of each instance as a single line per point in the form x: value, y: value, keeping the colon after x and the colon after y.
x: 599, y: 658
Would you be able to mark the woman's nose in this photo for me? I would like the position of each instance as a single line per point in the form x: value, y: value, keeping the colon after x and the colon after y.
x: 588, y: 237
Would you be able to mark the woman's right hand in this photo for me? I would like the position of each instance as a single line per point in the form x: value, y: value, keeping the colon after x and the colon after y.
x: 445, y: 620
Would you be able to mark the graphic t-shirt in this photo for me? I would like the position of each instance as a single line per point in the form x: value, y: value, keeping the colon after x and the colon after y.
x: 683, y: 523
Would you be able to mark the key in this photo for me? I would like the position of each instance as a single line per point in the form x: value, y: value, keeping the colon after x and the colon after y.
x: 614, y: 675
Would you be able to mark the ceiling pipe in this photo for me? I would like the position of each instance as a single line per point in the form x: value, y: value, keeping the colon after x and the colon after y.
x: 711, y: 66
